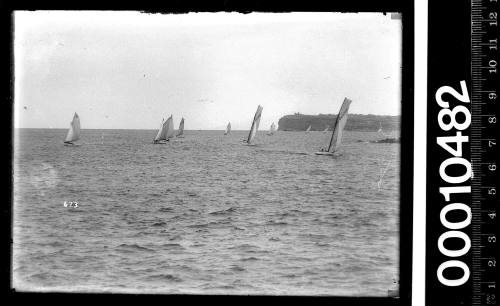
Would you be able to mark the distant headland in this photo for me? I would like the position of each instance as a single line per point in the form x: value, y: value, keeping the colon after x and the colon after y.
x: 356, y: 122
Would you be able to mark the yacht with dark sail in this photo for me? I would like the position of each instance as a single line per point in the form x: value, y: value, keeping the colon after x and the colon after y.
x: 254, y: 127
x: 338, y: 130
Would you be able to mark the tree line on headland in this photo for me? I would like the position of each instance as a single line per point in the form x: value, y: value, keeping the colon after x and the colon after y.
x: 355, y: 122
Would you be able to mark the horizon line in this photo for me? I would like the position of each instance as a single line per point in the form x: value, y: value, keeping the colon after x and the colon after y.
x: 217, y: 129
x: 152, y: 129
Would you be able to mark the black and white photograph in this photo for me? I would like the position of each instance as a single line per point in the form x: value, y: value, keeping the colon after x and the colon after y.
x: 207, y: 153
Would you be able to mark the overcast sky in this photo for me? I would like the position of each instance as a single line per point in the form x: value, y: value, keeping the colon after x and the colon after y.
x: 127, y: 70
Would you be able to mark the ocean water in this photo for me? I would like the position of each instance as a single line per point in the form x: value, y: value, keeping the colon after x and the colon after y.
x: 205, y: 214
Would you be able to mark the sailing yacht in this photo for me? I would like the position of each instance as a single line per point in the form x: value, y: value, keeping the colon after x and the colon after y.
x: 380, y: 128
x: 255, y: 126
x: 160, y: 134
x: 389, y: 138
x: 180, y: 133
x: 338, y: 129
x: 165, y: 132
x: 272, y: 129
x: 228, y: 129
x: 73, y: 132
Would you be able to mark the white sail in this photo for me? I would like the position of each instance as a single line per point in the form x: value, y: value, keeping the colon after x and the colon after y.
x: 160, y: 131
x: 228, y: 129
x: 272, y: 129
x: 381, y: 131
x: 338, y: 128
x: 181, y: 128
x: 169, y: 128
x: 255, y: 124
x: 164, y: 128
x: 308, y: 129
x: 74, y: 130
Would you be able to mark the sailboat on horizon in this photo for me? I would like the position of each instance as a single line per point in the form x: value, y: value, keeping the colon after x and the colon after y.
x: 388, y: 138
x: 255, y: 126
x: 308, y: 129
x: 228, y: 129
x: 73, y: 132
x: 272, y: 129
x: 338, y: 129
x: 180, y: 132
x: 165, y: 132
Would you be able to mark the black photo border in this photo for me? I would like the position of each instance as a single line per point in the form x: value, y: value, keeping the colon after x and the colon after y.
x: 449, y: 61
x: 406, y: 8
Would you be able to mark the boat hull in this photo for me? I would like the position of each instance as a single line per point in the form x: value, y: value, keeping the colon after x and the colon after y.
x: 327, y: 153
x: 161, y: 142
x: 323, y: 153
x: 387, y: 140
